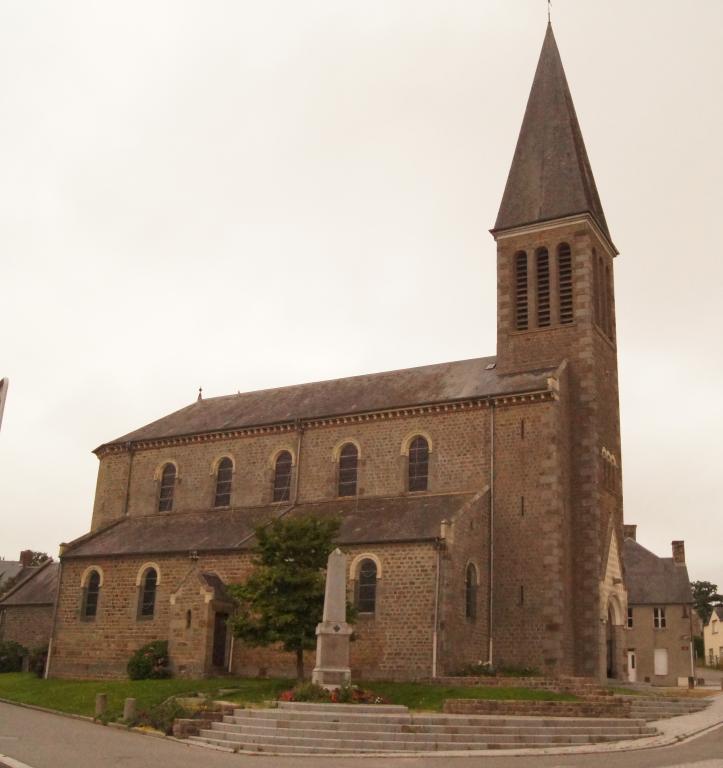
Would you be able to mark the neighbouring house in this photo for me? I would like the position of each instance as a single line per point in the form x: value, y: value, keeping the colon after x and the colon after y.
x: 14, y: 571
x: 26, y: 610
x: 713, y: 638
x: 480, y: 500
x: 659, y: 635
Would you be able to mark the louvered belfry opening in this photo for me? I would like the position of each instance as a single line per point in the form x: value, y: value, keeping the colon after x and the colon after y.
x: 543, y: 287
x: 521, y: 308
x: 348, y: 464
x: 564, y: 281
x: 224, y: 475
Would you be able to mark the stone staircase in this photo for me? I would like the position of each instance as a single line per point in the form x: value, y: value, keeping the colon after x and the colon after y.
x: 650, y: 708
x: 301, y: 728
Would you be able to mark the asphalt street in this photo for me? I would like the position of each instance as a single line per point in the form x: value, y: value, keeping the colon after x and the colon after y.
x: 43, y: 740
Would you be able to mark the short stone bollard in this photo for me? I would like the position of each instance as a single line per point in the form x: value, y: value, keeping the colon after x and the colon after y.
x: 129, y: 710
x: 101, y: 704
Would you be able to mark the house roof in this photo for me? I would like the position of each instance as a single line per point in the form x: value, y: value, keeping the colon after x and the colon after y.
x: 718, y: 611
x: 550, y: 176
x: 39, y: 588
x: 363, y: 520
x: 443, y: 382
x: 9, y: 569
x: 654, y: 580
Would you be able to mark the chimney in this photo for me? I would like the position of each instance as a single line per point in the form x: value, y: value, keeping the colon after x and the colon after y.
x: 629, y: 532
x: 26, y: 558
x: 678, y: 552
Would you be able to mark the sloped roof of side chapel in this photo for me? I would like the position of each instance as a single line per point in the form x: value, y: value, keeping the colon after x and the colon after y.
x: 550, y: 177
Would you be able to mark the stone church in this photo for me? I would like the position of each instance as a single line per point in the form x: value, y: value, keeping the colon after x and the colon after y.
x: 480, y: 500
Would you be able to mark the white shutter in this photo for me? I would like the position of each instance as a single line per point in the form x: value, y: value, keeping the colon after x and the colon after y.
x: 661, y: 661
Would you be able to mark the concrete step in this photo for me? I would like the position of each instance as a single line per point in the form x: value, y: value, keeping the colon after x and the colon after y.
x: 421, y: 726
x: 349, y: 716
x: 356, y: 745
x: 310, y: 706
x: 230, y: 730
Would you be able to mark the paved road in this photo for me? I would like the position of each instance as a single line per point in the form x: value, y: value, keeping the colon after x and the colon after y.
x: 43, y: 740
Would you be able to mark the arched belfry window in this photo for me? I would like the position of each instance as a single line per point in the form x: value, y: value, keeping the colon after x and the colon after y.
x: 470, y: 592
x: 564, y: 283
x: 91, y: 596
x: 348, y: 467
x: 282, y: 477
x: 366, y: 591
x: 224, y: 473
x: 521, y: 310
x: 542, y: 262
x: 418, y: 471
x: 168, y: 487
x: 147, y: 604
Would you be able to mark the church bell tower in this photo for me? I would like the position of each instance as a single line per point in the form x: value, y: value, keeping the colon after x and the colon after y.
x: 555, y: 304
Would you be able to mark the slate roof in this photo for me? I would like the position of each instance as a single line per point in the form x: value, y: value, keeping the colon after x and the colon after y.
x: 37, y: 589
x: 550, y: 176
x: 9, y: 569
x: 653, y: 580
x: 425, y: 385
x: 364, y: 520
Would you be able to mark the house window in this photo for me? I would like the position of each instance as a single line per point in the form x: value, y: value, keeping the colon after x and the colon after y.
x: 224, y: 473
x: 366, y: 598
x: 148, y: 594
x: 282, y: 477
x: 470, y: 592
x: 543, y: 288
x: 660, y: 661
x: 715, y: 627
x: 630, y: 617
x: 418, y: 464
x: 348, y: 463
x: 564, y: 282
x: 521, y: 311
x: 659, y: 618
x: 168, y: 485
x: 91, y: 593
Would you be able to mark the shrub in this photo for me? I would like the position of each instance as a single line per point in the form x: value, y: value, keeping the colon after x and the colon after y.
x: 11, y: 656
x: 346, y: 694
x: 162, y: 716
x: 150, y: 662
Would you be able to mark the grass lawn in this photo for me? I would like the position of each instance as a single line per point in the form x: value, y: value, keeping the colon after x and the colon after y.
x: 78, y: 696
x: 431, y: 697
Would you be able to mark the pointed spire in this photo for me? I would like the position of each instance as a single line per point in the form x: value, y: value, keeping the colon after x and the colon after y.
x: 550, y: 177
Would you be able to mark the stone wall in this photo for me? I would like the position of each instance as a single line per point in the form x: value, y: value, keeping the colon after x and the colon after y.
x: 29, y: 625
x: 609, y: 707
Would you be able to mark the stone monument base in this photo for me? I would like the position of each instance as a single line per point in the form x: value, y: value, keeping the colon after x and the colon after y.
x: 332, y: 654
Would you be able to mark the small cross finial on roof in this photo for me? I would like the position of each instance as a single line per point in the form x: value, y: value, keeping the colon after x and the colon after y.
x: 200, y: 393
x: 549, y: 6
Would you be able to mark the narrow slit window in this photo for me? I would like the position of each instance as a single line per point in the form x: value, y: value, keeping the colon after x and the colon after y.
x: 418, y: 464
x: 609, y: 285
x: 348, y: 466
x: 521, y: 309
x: 470, y: 592
x: 168, y: 486
x: 366, y: 601
x: 282, y: 477
x: 564, y: 264
x: 224, y: 473
x: 543, y: 288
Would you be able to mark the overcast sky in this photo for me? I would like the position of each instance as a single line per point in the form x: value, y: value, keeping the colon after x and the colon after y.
x: 239, y: 195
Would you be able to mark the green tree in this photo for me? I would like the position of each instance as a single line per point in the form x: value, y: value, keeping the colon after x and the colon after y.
x: 39, y: 558
x: 283, y: 599
x: 705, y: 596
